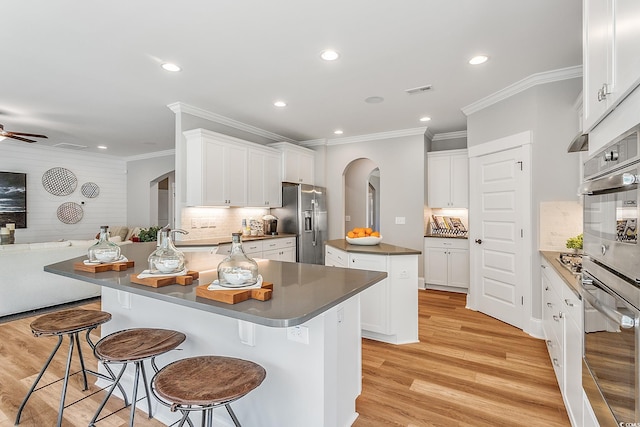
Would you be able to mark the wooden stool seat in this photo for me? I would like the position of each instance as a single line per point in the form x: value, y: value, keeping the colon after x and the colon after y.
x: 206, y: 382
x: 135, y: 346
x: 61, y: 323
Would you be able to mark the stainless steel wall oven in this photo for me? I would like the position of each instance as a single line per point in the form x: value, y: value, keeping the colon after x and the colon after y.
x: 611, y: 281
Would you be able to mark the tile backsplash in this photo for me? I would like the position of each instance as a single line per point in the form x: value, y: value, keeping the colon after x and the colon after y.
x: 207, y: 223
x: 559, y: 220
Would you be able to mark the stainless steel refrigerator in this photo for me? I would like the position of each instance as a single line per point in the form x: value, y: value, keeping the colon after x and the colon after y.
x: 304, y: 213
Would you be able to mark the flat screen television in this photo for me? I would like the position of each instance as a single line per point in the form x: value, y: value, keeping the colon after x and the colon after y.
x: 13, y: 199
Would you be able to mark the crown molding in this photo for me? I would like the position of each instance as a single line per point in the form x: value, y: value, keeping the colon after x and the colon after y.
x: 180, y: 107
x: 522, y: 85
x: 377, y: 136
x: 449, y: 135
x: 153, y: 155
x: 429, y: 134
x: 313, y: 142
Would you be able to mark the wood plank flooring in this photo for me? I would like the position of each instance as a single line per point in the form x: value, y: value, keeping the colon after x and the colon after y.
x: 468, y: 370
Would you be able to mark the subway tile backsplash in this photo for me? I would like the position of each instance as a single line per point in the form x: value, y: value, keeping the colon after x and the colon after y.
x: 559, y: 220
x: 207, y: 223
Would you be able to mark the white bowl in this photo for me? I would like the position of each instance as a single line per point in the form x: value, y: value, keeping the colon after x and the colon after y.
x: 364, y: 241
x: 237, y: 279
x: 107, y: 256
x: 168, y: 266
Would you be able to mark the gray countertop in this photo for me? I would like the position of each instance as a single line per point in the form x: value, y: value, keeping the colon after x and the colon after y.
x: 379, y: 249
x: 300, y: 291
x: 215, y: 241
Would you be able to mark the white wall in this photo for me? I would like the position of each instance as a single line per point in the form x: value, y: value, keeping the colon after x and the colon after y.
x: 109, y: 208
x: 140, y: 173
x: 401, y: 163
x: 548, y: 111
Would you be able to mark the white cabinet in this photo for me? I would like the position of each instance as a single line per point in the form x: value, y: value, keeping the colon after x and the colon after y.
x: 448, y: 179
x: 446, y: 262
x: 265, y: 178
x: 298, y: 163
x: 277, y: 249
x: 563, y: 330
x: 388, y: 309
x: 611, y: 60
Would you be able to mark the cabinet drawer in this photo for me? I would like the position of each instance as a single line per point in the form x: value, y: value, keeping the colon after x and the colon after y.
x: 280, y: 243
x: 252, y: 247
x: 443, y: 242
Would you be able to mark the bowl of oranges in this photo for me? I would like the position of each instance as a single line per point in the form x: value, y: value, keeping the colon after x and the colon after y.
x: 363, y: 236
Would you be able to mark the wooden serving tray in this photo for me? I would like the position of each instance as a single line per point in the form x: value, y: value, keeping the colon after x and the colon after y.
x: 158, y: 282
x: 99, y: 268
x: 235, y: 296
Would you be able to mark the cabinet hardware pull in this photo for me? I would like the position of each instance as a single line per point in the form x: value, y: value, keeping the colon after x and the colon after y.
x: 568, y: 302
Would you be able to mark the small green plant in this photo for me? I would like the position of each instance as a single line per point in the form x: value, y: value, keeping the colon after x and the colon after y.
x: 149, y: 234
x: 575, y: 242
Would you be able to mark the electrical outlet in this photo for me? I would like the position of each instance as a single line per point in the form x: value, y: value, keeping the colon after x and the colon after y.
x: 400, y: 220
x: 298, y: 334
x: 347, y: 218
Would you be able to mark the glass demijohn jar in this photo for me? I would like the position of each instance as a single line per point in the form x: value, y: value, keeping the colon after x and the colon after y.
x: 237, y: 269
x: 104, y: 250
x: 166, y: 259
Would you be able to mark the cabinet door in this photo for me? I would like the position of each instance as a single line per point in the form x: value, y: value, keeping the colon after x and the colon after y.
x: 306, y: 168
x: 374, y: 301
x: 439, y: 169
x: 626, y: 42
x: 273, y: 179
x: 335, y: 258
x: 597, y: 39
x: 573, y: 370
x: 290, y: 166
x: 436, y: 266
x: 235, y: 178
x: 458, y: 268
x: 213, y: 174
x: 459, y: 181
x: 255, y: 182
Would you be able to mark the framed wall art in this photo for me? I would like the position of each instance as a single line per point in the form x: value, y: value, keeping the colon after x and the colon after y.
x: 13, y: 199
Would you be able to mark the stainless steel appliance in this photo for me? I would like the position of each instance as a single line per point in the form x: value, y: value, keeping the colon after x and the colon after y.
x: 611, y: 281
x: 304, y: 213
x: 270, y: 225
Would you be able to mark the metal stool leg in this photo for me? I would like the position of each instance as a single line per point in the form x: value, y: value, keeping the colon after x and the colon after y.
x: 116, y: 382
x: 66, y: 380
x: 146, y: 388
x: 233, y: 415
x: 35, y: 383
x: 135, y: 394
x: 84, y: 370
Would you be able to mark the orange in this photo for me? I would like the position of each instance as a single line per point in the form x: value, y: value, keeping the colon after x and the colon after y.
x: 358, y: 230
x: 368, y: 230
x: 351, y: 235
x: 375, y: 234
x: 361, y: 234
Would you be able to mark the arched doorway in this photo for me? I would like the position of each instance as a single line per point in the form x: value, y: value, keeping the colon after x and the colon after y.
x: 362, y: 194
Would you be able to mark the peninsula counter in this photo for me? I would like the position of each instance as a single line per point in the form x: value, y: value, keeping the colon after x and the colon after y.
x: 307, y: 336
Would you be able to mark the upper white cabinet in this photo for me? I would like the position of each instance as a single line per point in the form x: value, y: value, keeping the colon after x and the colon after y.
x: 298, y: 163
x: 226, y: 171
x: 448, y: 179
x: 265, y: 178
x: 611, y: 60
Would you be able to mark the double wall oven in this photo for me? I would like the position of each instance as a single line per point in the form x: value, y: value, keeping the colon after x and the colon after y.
x: 611, y: 282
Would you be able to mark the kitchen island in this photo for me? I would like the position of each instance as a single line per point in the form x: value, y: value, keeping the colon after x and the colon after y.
x: 307, y: 337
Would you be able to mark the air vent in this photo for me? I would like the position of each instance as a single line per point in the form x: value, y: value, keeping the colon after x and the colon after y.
x: 419, y: 89
x: 70, y: 146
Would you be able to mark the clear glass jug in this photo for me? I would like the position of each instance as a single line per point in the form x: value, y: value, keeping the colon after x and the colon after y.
x: 237, y: 269
x: 104, y: 251
x: 166, y: 259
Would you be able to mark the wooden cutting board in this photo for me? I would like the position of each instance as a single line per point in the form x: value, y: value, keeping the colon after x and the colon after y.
x: 158, y: 282
x: 99, y: 268
x: 235, y: 296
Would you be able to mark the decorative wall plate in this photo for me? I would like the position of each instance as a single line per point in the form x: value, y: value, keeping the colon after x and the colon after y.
x: 59, y: 181
x: 70, y: 213
x: 90, y: 190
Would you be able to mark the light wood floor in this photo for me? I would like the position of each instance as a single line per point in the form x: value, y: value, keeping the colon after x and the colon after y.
x: 467, y: 370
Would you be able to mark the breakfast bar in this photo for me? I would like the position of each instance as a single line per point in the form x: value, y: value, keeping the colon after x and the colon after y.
x: 307, y: 336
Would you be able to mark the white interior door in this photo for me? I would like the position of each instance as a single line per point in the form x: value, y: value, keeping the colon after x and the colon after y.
x: 500, y: 205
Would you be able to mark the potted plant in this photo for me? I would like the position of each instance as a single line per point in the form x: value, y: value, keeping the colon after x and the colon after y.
x: 575, y: 243
x: 149, y: 234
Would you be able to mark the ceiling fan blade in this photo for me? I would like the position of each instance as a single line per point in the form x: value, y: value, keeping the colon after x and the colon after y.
x: 28, y: 134
x: 20, y: 138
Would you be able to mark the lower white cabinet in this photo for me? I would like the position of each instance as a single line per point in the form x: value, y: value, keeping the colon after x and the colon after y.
x: 388, y: 309
x: 562, y: 325
x: 279, y: 249
x: 446, y: 262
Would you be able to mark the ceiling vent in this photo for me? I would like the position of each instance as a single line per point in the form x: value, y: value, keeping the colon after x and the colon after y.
x: 70, y: 146
x: 419, y: 89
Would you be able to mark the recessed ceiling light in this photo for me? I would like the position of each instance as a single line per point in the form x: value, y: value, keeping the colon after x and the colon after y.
x: 170, y: 67
x: 338, y: 132
x: 425, y: 119
x: 280, y: 104
x: 477, y: 60
x: 102, y: 147
x: 374, y: 100
x: 329, y: 55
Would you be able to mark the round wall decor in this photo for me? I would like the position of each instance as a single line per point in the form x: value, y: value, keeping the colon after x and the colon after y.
x: 90, y: 190
x: 70, y: 213
x: 59, y: 181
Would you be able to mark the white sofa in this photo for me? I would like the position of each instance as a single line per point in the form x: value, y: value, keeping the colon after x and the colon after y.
x: 25, y: 286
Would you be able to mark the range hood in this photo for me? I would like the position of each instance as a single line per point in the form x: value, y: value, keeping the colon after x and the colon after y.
x: 579, y: 143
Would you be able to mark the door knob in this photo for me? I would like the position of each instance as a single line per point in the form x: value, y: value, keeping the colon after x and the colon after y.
x: 479, y: 241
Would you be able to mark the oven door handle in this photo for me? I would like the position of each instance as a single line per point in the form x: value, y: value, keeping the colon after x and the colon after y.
x: 611, y: 184
x: 623, y: 320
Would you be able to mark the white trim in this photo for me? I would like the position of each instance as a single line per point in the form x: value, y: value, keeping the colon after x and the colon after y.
x: 522, y: 85
x: 449, y: 135
x: 377, y: 136
x: 179, y: 107
x: 153, y: 155
x: 314, y: 142
x: 506, y: 143
x: 429, y: 134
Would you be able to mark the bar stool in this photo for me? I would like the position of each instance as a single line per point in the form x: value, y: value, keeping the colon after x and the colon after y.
x: 134, y: 346
x: 61, y: 323
x: 204, y: 383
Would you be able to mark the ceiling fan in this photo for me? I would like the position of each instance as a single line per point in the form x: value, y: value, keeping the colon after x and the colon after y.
x: 18, y: 135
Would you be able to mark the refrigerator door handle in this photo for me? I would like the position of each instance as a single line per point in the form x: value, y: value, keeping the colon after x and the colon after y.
x: 314, y: 220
